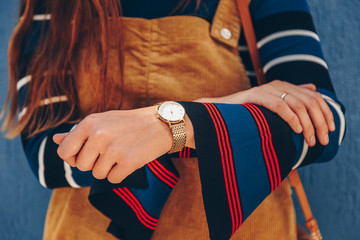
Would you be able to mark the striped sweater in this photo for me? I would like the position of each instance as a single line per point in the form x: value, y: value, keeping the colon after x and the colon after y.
x: 233, y: 185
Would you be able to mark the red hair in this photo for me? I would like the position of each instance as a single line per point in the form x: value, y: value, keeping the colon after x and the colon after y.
x: 50, y: 65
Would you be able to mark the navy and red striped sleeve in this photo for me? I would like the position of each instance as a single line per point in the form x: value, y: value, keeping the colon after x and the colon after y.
x: 244, y: 152
x: 135, y: 210
x: 288, y: 43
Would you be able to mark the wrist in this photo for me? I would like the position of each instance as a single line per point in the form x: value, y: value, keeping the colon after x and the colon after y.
x: 162, y: 132
x: 178, y: 125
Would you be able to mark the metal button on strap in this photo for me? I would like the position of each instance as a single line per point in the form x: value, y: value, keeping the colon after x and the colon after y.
x: 225, y: 33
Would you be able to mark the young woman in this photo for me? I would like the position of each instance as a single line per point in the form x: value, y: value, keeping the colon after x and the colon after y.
x: 85, y: 76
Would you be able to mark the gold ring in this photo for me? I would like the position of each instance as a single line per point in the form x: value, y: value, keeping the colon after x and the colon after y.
x: 283, y: 96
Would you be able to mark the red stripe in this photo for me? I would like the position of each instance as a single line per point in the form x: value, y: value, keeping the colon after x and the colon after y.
x: 154, y: 170
x: 266, y: 151
x: 170, y: 174
x: 265, y: 147
x: 138, y: 206
x: 160, y: 171
x: 271, y: 147
x: 141, y: 207
x: 183, y: 153
x: 225, y: 167
x: 134, y: 209
x: 231, y: 163
x: 268, y: 140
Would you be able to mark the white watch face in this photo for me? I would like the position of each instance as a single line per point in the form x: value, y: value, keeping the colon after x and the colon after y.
x: 171, y: 111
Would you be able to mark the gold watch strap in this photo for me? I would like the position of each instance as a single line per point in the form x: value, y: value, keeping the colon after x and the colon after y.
x: 179, y: 136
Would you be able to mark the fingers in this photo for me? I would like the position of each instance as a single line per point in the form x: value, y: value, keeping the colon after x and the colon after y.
x: 70, y: 160
x: 87, y: 156
x: 271, y: 100
x: 300, y: 97
x: 329, y: 117
x: 103, y: 166
x: 117, y: 174
x: 71, y: 145
x: 319, y: 121
x: 309, y: 86
x: 299, y: 108
x: 59, y: 137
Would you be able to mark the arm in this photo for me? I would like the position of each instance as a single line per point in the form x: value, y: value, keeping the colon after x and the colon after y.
x: 294, y: 46
x: 244, y: 151
x: 258, y: 149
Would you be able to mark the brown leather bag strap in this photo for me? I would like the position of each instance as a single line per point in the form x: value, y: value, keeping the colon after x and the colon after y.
x: 294, y: 178
x: 250, y: 37
x: 311, y: 222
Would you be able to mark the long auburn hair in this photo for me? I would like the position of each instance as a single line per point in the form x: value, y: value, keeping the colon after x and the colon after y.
x: 52, y: 63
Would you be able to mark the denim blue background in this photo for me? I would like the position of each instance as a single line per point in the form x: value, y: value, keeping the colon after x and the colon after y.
x: 332, y: 188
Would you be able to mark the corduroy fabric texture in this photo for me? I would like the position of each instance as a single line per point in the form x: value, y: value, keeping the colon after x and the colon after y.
x: 178, y: 58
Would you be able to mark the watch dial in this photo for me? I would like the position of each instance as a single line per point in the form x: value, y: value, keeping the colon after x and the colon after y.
x: 171, y: 111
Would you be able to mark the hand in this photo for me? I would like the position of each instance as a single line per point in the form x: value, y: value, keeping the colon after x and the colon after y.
x: 303, y: 108
x: 115, y: 143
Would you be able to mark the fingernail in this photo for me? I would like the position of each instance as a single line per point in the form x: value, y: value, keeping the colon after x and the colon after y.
x: 332, y: 126
x: 312, y: 141
x: 299, y: 129
x: 326, y: 139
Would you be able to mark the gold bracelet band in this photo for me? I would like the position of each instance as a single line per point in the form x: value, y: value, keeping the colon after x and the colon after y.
x: 179, y: 136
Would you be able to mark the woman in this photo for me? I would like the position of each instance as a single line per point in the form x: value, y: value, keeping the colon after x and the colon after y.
x: 73, y: 61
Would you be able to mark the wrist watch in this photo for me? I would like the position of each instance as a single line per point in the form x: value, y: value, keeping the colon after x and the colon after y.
x: 173, y: 114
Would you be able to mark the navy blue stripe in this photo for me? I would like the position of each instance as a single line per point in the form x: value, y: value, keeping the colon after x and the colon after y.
x: 251, y: 172
x: 281, y: 22
x: 31, y: 149
x: 313, y: 154
x: 260, y: 9
x: 331, y: 149
x: 41, y: 6
x: 268, y: 153
x: 229, y: 160
x: 83, y: 179
x: 253, y: 81
x: 246, y: 59
x: 54, y: 165
x: 320, y: 153
x: 22, y: 95
x: 281, y: 135
x: 153, y: 197
x: 298, y: 140
x: 155, y: 172
x: 112, y: 206
x: 293, y: 45
x: 211, y: 173
x: 301, y: 72
x: 31, y: 40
